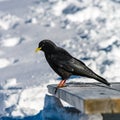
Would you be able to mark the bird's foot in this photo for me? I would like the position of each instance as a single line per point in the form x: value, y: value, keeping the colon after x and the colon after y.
x: 56, y: 89
x: 60, y: 85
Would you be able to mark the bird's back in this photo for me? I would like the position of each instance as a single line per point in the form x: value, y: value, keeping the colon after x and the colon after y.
x: 57, y: 60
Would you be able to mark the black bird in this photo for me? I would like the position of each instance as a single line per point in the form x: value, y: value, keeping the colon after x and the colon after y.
x: 64, y: 64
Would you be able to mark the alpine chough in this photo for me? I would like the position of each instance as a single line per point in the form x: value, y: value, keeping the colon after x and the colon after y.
x: 65, y: 64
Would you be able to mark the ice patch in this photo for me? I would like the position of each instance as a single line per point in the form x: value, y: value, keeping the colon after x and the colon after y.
x: 4, y: 62
x: 8, y: 21
x: 10, y: 42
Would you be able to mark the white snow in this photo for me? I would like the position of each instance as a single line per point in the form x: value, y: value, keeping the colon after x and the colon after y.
x: 7, y: 21
x: 108, y: 42
x: 89, y: 30
x: 89, y: 13
x: 57, y: 9
x: 10, y: 42
x: 11, y: 100
x: 10, y: 83
x: 4, y: 62
x: 30, y: 101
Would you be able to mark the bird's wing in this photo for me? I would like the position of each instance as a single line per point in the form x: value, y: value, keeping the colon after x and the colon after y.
x: 71, y: 65
x: 76, y: 65
x: 65, y: 61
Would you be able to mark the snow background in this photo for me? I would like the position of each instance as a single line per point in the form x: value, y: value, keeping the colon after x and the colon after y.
x: 89, y: 30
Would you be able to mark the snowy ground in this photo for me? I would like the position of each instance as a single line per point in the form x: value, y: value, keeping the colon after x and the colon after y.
x: 89, y: 30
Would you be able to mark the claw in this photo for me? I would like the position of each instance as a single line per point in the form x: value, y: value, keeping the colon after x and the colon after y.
x: 56, y: 90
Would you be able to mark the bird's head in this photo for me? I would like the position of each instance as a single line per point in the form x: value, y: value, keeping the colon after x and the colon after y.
x: 46, y: 46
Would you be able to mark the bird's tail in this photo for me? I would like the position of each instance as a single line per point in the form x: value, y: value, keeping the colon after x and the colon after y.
x: 101, y: 79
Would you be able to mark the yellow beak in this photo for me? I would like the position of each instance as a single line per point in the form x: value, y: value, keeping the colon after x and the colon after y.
x: 38, y: 49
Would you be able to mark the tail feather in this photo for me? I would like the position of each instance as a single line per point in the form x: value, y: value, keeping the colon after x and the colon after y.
x: 89, y: 73
x: 101, y: 79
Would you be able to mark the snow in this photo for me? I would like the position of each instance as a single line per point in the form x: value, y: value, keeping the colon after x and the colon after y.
x: 10, y: 42
x: 10, y: 83
x: 4, y: 62
x: 7, y: 21
x: 83, y: 15
x: 89, y: 30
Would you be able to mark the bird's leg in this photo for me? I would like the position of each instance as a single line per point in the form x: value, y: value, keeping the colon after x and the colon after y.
x: 61, y: 84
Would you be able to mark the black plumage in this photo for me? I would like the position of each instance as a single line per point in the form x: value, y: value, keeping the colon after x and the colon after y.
x: 64, y: 64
